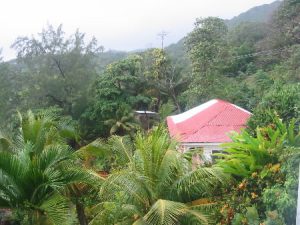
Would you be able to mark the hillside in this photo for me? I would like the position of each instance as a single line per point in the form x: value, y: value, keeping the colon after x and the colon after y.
x: 108, y: 57
x: 260, y: 14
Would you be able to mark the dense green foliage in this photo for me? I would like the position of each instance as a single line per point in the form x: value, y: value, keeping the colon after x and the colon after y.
x: 156, y: 184
x: 211, y: 62
x: 266, y: 171
x: 140, y: 82
x: 84, y: 119
x: 37, y: 167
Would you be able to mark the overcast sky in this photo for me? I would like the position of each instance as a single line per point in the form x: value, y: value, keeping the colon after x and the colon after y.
x: 117, y: 24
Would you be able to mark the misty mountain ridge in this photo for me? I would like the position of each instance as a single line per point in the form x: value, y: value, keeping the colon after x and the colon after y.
x: 257, y: 14
x: 262, y: 14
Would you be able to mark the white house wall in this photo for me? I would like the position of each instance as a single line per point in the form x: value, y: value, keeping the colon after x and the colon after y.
x: 208, y: 148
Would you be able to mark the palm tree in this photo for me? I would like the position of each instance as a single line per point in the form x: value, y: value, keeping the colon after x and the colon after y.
x: 35, y: 168
x: 123, y: 123
x: 157, y: 185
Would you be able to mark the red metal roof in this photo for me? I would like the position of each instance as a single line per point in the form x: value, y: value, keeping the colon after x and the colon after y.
x: 208, y: 123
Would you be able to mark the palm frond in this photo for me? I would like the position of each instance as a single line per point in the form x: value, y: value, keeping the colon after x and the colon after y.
x: 97, y: 148
x: 200, y: 182
x: 165, y: 212
x: 5, y: 142
x: 40, y: 166
x: 132, y: 188
x: 168, y: 171
x: 56, y: 209
x: 11, y: 174
x: 122, y: 148
x: 158, y: 181
x: 119, y: 213
x: 52, y: 155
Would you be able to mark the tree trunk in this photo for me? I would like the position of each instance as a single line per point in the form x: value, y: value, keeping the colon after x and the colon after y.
x: 298, y: 204
x: 176, y: 102
x: 81, y: 214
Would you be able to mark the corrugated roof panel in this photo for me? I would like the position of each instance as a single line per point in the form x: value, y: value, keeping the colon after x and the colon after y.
x: 211, y: 124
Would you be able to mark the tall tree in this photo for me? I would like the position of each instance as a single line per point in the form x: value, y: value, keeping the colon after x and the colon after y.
x: 60, y: 68
x: 207, y: 48
x: 165, y: 80
x: 120, y: 85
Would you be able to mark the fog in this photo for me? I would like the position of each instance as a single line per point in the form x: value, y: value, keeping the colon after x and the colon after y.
x: 117, y: 24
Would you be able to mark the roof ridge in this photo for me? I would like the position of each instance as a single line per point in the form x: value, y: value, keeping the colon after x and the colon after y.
x: 193, y: 111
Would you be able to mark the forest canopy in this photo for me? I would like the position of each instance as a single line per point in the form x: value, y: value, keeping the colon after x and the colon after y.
x: 71, y: 142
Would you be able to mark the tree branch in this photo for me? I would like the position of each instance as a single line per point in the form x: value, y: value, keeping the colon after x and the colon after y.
x: 57, y: 62
x: 58, y: 101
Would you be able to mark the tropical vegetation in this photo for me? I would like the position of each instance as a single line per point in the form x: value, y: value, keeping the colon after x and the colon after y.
x: 74, y: 150
x: 39, y: 170
x: 157, y: 185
